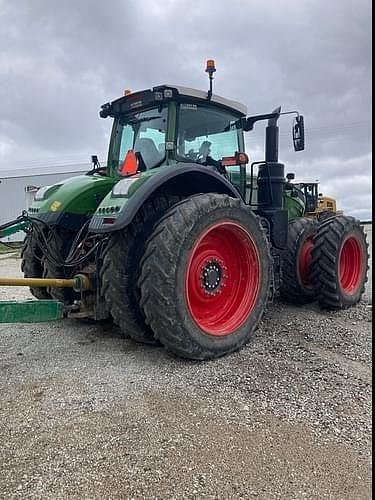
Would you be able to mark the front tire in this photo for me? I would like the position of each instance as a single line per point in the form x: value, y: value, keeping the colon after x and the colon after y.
x: 60, y: 242
x: 340, y: 263
x: 120, y: 271
x: 206, y: 277
x: 31, y: 264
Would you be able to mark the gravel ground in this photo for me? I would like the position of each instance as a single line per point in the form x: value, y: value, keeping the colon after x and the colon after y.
x: 87, y: 414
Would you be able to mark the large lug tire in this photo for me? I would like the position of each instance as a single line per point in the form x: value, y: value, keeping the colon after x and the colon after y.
x: 205, y: 277
x: 323, y: 216
x: 296, y: 286
x: 31, y: 264
x: 60, y: 242
x: 120, y: 270
x: 340, y: 263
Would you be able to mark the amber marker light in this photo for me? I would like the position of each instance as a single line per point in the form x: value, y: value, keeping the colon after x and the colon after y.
x: 210, y: 66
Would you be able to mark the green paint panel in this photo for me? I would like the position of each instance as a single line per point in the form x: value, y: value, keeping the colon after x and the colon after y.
x: 77, y: 195
x: 295, y: 206
x: 30, y: 311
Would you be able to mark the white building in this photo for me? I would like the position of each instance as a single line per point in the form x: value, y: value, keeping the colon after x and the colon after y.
x: 18, y: 187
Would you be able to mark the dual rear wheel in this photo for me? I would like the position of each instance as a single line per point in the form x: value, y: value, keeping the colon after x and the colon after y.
x: 327, y: 262
x: 203, y: 282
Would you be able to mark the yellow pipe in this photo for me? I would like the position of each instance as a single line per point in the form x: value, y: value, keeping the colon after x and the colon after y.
x: 38, y: 282
x: 79, y: 282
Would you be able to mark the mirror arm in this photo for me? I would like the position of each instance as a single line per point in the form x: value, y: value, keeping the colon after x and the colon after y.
x: 248, y: 123
x: 291, y: 113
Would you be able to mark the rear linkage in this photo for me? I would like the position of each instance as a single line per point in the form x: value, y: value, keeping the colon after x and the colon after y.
x: 47, y: 310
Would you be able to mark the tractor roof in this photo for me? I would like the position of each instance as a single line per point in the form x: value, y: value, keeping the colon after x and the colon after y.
x: 200, y: 94
x: 163, y: 93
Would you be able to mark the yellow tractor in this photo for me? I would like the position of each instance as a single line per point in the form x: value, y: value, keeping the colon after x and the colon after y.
x: 326, y: 206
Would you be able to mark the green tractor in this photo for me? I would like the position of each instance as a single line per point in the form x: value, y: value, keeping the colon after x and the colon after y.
x: 180, y: 241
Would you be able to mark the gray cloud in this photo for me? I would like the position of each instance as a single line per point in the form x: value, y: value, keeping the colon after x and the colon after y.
x: 60, y: 60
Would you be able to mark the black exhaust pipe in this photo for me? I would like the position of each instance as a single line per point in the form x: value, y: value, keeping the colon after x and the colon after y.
x: 271, y: 176
x: 272, y: 138
x: 271, y: 181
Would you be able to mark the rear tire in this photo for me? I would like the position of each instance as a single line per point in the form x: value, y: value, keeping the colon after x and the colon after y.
x: 323, y: 216
x: 340, y: 263
x: 296, y: 286
x: 120, y: 270
x: 205, y: 277
x: 31, y: 264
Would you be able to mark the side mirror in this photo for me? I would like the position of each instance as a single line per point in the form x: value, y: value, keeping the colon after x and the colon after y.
x: 299, y: 133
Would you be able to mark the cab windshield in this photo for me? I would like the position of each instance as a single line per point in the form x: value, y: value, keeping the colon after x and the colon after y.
x: 206, y: 135
x: 144, y: 133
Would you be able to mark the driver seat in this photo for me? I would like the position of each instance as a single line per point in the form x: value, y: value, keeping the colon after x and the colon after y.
x: 150, y: 154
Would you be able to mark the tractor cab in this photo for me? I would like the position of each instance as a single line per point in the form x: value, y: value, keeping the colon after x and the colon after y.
x: 170, y: 124
x: 311, y: 192
x: 176, y: 127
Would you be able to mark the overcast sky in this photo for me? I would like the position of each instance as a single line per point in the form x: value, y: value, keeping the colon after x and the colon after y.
x: 61, y: 59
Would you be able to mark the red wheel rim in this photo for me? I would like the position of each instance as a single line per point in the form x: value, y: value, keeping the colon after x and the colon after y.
x: 222, y: 278
x: 350, y: 265
x: 305, y: 258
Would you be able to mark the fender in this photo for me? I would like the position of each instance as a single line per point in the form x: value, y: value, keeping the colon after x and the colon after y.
x: 185, y: 180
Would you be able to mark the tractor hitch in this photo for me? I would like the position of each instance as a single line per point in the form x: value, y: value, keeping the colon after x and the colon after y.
x: 32, y: 311
x: 79, y: 283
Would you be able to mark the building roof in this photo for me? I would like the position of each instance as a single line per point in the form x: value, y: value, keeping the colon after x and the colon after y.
x: 45, y: 170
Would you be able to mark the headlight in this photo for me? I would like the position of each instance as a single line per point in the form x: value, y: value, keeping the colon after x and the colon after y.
x: 39, y: 195
x: 122, y: 187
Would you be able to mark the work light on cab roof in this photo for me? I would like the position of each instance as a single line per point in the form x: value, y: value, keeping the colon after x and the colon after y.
x: 210, y: 69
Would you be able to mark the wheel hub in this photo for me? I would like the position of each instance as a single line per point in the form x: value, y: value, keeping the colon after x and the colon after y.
x: 212, y: 277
